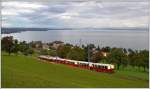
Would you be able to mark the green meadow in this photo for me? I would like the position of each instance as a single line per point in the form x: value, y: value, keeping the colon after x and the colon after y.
x: 28, y: 72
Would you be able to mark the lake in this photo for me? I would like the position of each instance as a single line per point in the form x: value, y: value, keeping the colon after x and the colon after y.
x: 113, y: 38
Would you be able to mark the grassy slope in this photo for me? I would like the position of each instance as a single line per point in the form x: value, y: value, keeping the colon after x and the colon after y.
x: 22, y: 71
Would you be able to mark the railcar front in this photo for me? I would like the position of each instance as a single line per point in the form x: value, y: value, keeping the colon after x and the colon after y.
x: 102, y: 67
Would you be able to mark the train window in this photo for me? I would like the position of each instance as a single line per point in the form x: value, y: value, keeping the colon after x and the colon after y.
x: 101, y: 67
x: 104, y: 67
x: 96, y: 66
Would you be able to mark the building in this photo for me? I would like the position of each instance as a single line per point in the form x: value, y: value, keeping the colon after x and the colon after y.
x: 45, y: 46
x: 105, y: 54
x: 102, y: 53
x: 56, y: 44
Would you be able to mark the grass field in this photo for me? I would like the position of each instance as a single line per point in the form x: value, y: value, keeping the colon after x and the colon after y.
x: 26, y: 71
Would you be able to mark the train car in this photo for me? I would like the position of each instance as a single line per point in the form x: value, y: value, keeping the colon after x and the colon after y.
x: 43, y: 57
x: 71, y: 62
x: 99, y: 67
x: 82, y: 64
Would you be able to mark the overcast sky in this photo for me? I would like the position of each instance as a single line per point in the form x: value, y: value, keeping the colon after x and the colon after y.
x: 75, y: 14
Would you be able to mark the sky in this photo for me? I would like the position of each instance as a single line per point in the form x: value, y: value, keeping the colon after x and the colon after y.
x: 73, y: 14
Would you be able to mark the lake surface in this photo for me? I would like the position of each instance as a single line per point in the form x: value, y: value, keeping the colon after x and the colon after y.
x: 113, y: 38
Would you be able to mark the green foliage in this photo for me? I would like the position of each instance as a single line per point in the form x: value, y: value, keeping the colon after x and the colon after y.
x: 52, y: 52
x: 87, y: 49
x: 91, y: 46
x: 36, y: 44
x: 11, y: 45
x: 140, y: 59
x: 16, y: 46
x: 48, y: 52
x: 63, y: 51
x: 23, y: 46
x: 106, y: 49
x: 144, y: 59
x: 132, y: 59
x: 118, y: 57
x: 44, y: 52
x: 98, y: 48
x: 28, y: 52
x: 7, y: 44
x: 76, y: 54
x: 97, y: 57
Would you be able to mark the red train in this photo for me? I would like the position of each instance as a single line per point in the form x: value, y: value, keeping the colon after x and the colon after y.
x: 99, y: 67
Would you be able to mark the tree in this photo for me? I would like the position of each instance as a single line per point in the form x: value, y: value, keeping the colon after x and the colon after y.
x: 62, y: 51
x: 83, y: 46
x: 30, y: 51
x: 67, y: 44
x: 98, y: 48
x: 118, y: 57
x: 44, y: 52
x: 32, y: 44
x: 97, y: 57
x: 58, y: 42
x: 106, y: 49
x: 87, y: 49
x: 36, y: 44
x: 91, y: 46
x: 23, y: 47
x: 16, y: 47
x: 132, y: 57
x: 144, y: 59
x: 7, y: 44
x: 125, y: 51
x: 131, y: 51
x: 52, y: 52
x: 76, y: 53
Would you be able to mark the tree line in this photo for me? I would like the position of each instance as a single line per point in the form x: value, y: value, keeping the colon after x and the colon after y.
x: 10, y: 45
x: 121, y: 57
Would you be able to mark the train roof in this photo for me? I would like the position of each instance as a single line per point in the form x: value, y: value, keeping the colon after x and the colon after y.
x: 70, y: 60
x: 83, y: 62
x: 102, y: 64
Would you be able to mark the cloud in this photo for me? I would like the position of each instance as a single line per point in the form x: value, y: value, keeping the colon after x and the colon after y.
x: 15, y: 8
x: 75, y: 14
x: 27, y: 5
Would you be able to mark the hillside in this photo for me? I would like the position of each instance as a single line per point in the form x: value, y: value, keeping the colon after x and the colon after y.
x: 26, y: 71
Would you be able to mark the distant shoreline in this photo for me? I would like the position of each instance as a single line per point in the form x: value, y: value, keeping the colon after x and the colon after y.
x: 17, y: 30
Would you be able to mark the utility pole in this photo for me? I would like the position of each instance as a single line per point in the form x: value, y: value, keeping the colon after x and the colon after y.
x: 88, y: 53
x: 80, y: 43
x: 56, y: 54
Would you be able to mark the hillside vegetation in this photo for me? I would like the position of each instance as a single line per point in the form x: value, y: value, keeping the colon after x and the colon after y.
x: 27, y: 71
